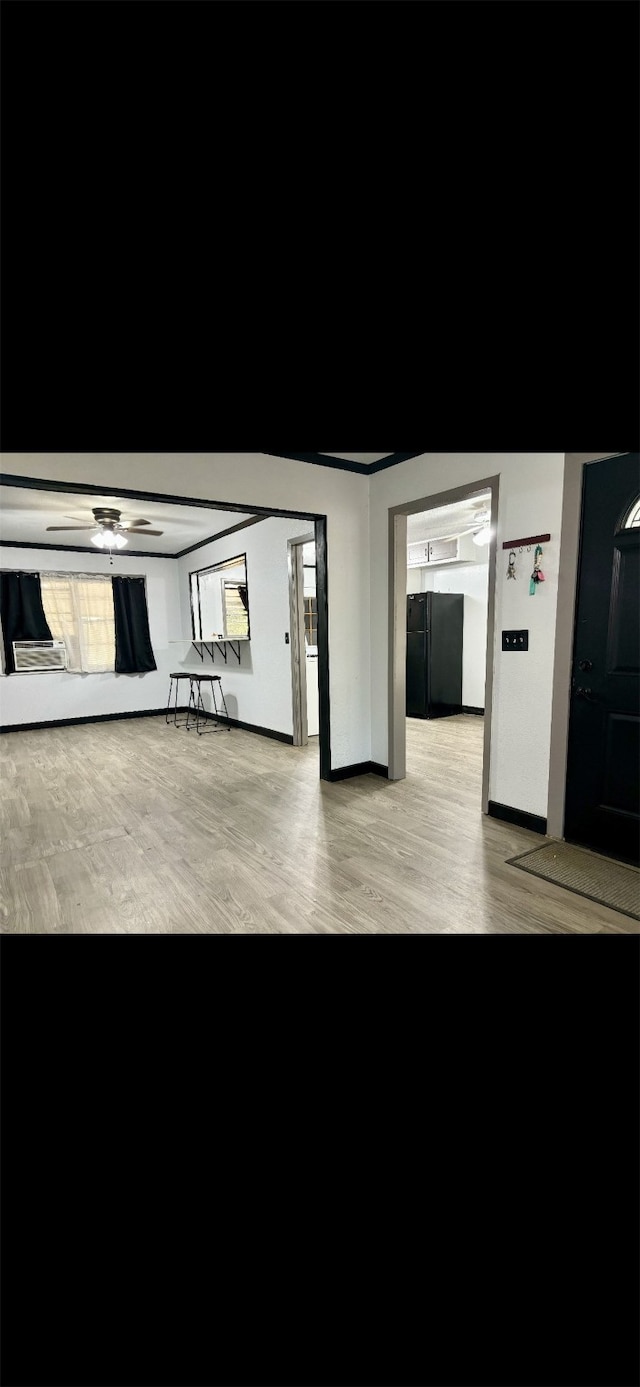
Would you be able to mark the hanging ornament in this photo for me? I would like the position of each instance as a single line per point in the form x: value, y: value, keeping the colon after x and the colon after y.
x: 537, y: 576
x: 511, y: 571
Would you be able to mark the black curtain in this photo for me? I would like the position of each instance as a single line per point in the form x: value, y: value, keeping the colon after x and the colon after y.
x: 133, y: 641
x: 244, y: 596
x: 22, y: 613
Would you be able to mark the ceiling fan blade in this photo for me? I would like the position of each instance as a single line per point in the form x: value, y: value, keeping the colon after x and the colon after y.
x: 131, y: 531
x: 72, y: 527
x: 127, y: 524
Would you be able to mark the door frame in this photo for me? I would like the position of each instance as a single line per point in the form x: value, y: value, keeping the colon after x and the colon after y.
x: 297, y: 639
x: 397, y: 754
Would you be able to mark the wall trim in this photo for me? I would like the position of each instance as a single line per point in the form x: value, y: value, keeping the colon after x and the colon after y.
x: 364, y: 768
x: 249, y: 727
x: 319, y: 460
x: 535, y: 822
x: 478, y: 711
x: 222, y: 534
x: 365, y: 469
x: 393, y: 461
x: 82, y: 549
x: 90, y: 489
x: 96, y: 717
x: 146, y: 713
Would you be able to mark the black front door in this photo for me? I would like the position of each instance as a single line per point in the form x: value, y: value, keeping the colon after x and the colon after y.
x: 603, y: 769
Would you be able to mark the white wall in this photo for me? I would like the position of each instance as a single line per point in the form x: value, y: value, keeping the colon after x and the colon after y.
x: 258, y: 690
x: 471, y: 579
x: 255, y: 479
x: 531, y: 487
x: 28, y: 698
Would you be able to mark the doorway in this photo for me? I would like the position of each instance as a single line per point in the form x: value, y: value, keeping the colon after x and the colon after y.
x: 602, y: 799
x: 480, y: 495
x: 315, y: 523
x: 303, y: 608
x: 447, y: 601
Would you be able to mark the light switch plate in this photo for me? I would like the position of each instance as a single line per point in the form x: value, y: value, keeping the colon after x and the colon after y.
x: 515, y: 640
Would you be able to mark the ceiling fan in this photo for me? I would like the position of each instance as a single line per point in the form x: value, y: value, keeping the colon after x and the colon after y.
x: 112, y: 531
x: 482, y: 525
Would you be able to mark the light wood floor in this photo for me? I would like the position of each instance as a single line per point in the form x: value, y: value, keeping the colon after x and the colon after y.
x: 134, y: 826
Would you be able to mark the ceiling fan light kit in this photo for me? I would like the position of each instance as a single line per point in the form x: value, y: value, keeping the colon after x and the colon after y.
x: 108, y: 540
x: 112, y: 531
x: 482, y: 526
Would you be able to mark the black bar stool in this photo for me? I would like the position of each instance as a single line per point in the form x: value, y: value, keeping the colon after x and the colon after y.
x: 177, y: 676
x: 197, y: 706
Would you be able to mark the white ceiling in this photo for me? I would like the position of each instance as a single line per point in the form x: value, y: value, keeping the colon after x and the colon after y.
x: 443, y: 521
x: 25, y: 514
x: 358, y: 457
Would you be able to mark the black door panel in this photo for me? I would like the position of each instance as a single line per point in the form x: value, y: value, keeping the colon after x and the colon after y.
x: 603, y: 766
x: 623, y: 644
x: 621, y: 763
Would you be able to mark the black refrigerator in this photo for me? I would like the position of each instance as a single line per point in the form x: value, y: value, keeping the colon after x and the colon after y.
x: 435, y: 623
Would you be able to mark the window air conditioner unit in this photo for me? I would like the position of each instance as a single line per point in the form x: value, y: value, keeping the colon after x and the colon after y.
x: 33, y: 657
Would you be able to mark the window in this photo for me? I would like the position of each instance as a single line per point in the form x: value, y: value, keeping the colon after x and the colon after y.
x: 632, y: 521
x: 234, y: 609
x: 220, y: 600
x: 311, y: 620
x: 79, y: 611
x: 310, y: 599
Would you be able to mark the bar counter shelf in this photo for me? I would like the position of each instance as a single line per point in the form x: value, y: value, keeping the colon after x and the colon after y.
x: 221, y: 642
